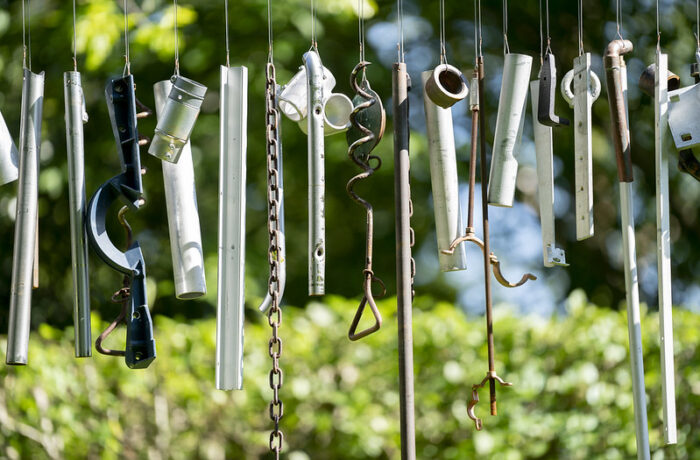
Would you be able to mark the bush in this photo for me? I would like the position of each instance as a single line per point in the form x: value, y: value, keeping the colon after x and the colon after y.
x: 571, y: 397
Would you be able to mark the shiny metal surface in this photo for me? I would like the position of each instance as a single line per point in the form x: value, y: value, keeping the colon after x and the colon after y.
x: 9, y: 162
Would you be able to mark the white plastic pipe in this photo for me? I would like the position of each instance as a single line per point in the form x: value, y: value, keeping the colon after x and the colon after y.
x: 8, y: 155
x: 232, y: 188
x: 183, y: 217
x: 509, y: 129
x: 444, y: 180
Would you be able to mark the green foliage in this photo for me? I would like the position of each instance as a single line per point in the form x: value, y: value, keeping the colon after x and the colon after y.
x: 571, y: 398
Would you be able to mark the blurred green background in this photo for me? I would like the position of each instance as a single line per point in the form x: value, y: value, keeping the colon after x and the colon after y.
x: 569, y: 400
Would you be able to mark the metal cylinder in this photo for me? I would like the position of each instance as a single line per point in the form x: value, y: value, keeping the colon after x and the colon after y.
x: 444, y: 180
x: 76, y: 116
x: 8, y: 155
x: 177, y: 118
x: 231, y: 250
x: 446, y: 86
x: 316, y: 171
x: 509, y: 129
x: 26, y: 218
x: 183, y: 217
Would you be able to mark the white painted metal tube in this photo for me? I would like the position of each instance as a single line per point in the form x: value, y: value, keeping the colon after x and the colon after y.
x: 545, y: 183
x: 444, y: 180
x: 316, y: 172
x: 8, y: 155
x: 663, y: 249
x: 26, y: 219
x: 76, y: 116
x: 231, y: 250
x: 183, y: 217
x: 509, y: 129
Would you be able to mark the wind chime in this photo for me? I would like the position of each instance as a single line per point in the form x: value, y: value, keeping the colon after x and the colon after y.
x: 25, y: 258
x: 368, y: 120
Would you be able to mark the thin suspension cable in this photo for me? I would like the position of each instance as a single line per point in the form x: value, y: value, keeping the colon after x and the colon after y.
x: 399, y: 20
x: 618, y: 18
x: 127, y: 65
x: 580, y: 27
x: 697, y: 24
x: 177, y: 43
x: 228, y: 53
x: 75, y: 40
x: 506, y: 48
x: 361, y: 27
x: 443, y: 51
x: 541, y: 33
x: 270, y: 38
x: 658, y: 27
x: 24, y: 38
x: 549, y: 37
x: 477, y: 21
x: 314, y: 43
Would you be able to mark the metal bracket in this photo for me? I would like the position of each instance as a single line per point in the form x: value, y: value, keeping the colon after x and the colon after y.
x: 126, y: 187
x: 547, y: 94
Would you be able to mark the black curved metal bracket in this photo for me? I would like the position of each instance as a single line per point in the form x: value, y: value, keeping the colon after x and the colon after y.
x: 126, y: 187
x: 548, y: 92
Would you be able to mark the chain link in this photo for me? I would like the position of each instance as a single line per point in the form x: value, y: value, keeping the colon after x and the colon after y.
x: 274, y: 313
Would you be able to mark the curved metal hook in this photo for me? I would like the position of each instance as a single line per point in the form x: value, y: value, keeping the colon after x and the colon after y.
x: 490, y: 376
x: 368, y: 298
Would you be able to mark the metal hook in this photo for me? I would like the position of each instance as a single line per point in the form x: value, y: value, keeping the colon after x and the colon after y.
x: 492, y: 378
x: 368, y: 298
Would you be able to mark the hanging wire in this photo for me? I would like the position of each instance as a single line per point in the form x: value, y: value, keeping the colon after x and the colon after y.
x: 541, y: 34
x: 618, y: 18
x: 228, y: 54
x: 443, y: 51
x: 177, y: 43
x: 658, y: 28
x: 477, y: 30
x: 549, y: 37
x: 314, y: 43
x: 399, y: 19
x: 127, y: 65
x: 697, y: 25
x: 26, y: 36
x: 75, y: 40
x: 506, y: 48
x: 361, y: 28
x: 270, y: 38
x: 580, y: 27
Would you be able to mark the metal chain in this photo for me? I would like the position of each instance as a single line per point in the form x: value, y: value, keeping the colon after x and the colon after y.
x: 274, y: 313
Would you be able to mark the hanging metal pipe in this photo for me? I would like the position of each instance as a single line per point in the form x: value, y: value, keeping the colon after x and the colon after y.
x: 405, y: 266
x: 26, y: 219
x: 509, y: 129
x: 232, y: 189
x: 76, y: 116
x: 545, y: 182
x: 444, y: 180
x: 8, y: 155
x: 183, y: 217
x: 616, y: 78
x: 316, y: 171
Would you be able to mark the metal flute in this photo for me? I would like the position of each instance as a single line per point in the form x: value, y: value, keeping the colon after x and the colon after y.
x: 183, y: 217
x: 443, y: 177
x: 76, y: 116
x: 405, y: 266
x: 232, y: 188
x: 316, y: 171
x: 616, y: 78
x: 26, y: 218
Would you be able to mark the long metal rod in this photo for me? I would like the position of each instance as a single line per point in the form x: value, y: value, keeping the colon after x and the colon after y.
x: 26, y: 219
x: 316, y: 173
x: 232, y: 189
x: 76, y: 116
x: 663, y: 249
x: 404, y: 262
x: 616, y: 77
x: 443, y: 177
x: 183, y: 217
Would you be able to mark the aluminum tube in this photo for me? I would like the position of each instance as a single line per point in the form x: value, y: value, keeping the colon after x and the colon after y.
x: 545, y: 183
x: 282, y: 246
x: 76, y: 116
x: 509, y: 129
x: 444, y: 180
x: 26, y: 218
x: 8, y: 155
x: 232, y: 189
x: 663, y: 249
x: 316, y: 172
x: 404, y: 262
x: 183, y: 217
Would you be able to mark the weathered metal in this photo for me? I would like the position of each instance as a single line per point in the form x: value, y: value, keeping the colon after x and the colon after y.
x: 445, y: 86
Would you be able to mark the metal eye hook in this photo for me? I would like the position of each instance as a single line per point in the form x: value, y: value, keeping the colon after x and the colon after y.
x: 368, y: 298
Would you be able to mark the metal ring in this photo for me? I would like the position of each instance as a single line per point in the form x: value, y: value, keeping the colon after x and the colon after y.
x: 446, y: 86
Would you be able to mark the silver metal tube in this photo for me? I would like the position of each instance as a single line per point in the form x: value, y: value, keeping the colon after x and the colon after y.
x: 663, y: 249
x: 444, y: 180
x: 26, y: 220
x: 509, y: 129
x: 232, y: 189
x: 8, y: 155
x: 545, y: 183
x: 76, y: 116
x: 183, y: 217
x: 281, y: 245
x: 316, y: 171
